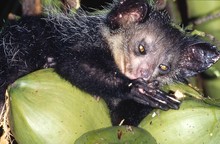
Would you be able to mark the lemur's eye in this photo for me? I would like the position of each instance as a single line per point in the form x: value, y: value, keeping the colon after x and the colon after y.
x: 164, y: 68
x: 141, y: 49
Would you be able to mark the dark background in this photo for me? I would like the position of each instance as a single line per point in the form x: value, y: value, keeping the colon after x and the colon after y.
x: 13, y: 6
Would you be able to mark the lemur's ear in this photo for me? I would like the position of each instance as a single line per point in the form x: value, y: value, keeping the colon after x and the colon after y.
x: 127, y: 12
x: 197, y: 58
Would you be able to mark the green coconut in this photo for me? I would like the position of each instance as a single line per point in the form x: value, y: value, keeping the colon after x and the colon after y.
x: 45, y: 109
x: 117, y: 135
x: 194, y: 123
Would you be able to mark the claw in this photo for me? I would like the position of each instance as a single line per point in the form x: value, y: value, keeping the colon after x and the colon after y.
x: 173, y: 99
x: 170, y: 101
x: 165, y: 95
x: 150, y: 94
x: 164, y: 107
x: 148, y: 101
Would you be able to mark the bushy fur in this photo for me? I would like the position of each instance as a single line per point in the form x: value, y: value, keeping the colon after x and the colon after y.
x: 99, y: 54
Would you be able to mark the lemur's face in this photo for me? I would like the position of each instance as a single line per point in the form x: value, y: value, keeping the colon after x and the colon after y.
x: 150, y: 54
x: 145, y: 44
x: 158, y: 51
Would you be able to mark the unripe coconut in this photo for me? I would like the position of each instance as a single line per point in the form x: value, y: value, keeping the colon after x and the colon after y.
x: 46, y: 109
x: 194, y: 123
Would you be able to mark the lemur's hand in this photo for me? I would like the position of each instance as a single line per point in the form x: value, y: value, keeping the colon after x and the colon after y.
x: 149, y: 93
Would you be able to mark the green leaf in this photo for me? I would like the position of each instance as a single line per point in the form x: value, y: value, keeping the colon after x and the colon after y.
x: 212, y: 101
x: 212, y: 87
x: 186, y: 90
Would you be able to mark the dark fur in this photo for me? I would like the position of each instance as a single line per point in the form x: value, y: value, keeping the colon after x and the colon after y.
x: 83, y: 50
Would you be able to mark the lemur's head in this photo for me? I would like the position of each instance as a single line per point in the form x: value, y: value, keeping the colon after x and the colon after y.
x: 145, y: 44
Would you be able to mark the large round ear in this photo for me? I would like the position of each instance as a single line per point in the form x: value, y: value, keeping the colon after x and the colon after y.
x: 197, y: 58
x: 127, y: 12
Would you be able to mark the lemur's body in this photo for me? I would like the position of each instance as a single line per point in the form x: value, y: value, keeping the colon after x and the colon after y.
x: 122, y: 57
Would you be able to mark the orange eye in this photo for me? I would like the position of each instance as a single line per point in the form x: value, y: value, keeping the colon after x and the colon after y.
x: 141, y: 49
x: 164, y: 68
